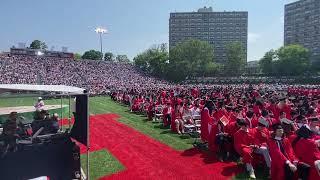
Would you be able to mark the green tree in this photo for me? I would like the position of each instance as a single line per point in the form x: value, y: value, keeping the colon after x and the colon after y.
x: 92, y: 55
x: 108, y: 56
x: 235, y: 58
x: 37, y: 44
x: 154, y: 60
x: 189, y: 58
x: 266, y: 63
x: 77, y: 56
x: 293, y: 60
x: 211, y: 69
x: 122, y: 58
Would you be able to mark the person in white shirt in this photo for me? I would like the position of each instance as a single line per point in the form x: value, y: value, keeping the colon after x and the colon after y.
x: 39, y: 104
x: 195, y: 111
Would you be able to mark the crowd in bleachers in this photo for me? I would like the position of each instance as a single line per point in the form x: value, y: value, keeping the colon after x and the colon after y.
x: 277, y: 125
x: 97, y: 76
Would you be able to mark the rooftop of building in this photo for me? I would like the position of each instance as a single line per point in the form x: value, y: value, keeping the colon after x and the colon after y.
x: 209, y: 10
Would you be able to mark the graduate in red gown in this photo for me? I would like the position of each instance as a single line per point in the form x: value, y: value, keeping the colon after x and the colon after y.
x: 282, y: 106
x: 251, y: 119
x: 244, y: 145
x: 307, y: 151
x: 272, y: 107
x: 167, y: 114
x: 235, y: 114
x: 271, y: 121
x: 178, y: 123
x: 261, y: 136
x: 284, y: 163
x: 221, y: 111
x: 205, y: 120
x: 135, y: 104
x: 222, y: 139
x: 314, y: 127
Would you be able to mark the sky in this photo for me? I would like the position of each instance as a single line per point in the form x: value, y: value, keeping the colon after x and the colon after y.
x: 133, y: 26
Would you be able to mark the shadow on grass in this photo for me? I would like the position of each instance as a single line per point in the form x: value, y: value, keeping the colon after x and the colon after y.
x: 156, y: 122
x: 260, y: 171
x: 160, y: 126
x: 210, y: 158
x: 146, y: 120
x: 184, y: 136
x: 168, y: 132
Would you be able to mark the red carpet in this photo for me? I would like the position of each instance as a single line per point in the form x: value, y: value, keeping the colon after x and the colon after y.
x: 146, y: 158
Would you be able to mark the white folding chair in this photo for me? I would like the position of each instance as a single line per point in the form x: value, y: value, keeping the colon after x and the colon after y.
x: 158, y: 113
x: 188, y: 127
x: 196, y: 117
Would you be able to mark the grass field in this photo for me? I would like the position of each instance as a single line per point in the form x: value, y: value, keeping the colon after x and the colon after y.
x: 102, y: 162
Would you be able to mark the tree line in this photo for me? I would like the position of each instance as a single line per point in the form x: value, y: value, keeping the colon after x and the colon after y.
x: 291, y: 60
x: 195, y: 58
x: 191, y: 58
x: 97, y: 55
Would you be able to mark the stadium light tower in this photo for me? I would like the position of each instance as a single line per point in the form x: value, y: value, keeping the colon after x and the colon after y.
x: 101, y: 31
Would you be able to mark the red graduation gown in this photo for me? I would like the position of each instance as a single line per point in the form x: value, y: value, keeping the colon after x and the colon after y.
x: 205, y: 119
x: 242, y: 141
x: 213, y: 130
x: 233, y: 117
x: 261, y: 137
x: 278, y: 159
x: 286, y: 108
x: 221, y: 112
x: 231, y: 128
x: 257, y: 111
x: 174, y: 116
x: 308, y: 152
x: 254, y: 122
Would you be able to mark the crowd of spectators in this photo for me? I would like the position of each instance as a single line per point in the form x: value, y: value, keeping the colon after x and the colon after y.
x: 97, y: 76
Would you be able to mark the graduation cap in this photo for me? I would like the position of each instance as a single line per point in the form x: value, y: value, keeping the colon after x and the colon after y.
x: 300, y: 117
x: 286, y: 121
x: 263, y: 122
x: 241, y: 122
x: 277, y: 126
x: 264, y: 113
x: 304, y: 132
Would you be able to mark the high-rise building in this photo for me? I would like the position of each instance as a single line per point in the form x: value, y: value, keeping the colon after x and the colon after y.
x: 302, y: 25
x: 217, y: 28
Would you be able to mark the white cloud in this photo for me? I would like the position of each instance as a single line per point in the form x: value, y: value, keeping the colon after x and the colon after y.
x: 253, y: 37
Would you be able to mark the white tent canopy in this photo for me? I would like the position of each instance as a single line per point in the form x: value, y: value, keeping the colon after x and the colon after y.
x: 46, y: 88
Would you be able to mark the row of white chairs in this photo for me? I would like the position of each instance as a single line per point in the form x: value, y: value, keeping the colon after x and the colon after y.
x: 158, y: 116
